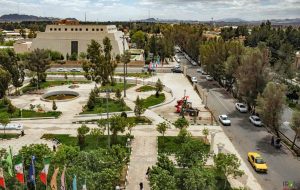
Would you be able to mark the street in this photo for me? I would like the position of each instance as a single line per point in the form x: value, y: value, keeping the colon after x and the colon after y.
x: 283, y: 166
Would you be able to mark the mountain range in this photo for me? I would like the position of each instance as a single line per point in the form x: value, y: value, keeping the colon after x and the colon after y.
x: 230, y: 21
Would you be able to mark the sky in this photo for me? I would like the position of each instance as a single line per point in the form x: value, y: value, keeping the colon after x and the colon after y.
x: 124, y: 10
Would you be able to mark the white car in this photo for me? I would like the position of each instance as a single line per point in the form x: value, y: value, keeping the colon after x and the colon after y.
x: 199, y: 71
x: 209, y: 78
x: 12, y: 126
x: 224, y: 119
x: 241, y: 107
x: 75, y: 70
x: 61, y: 70
x: 255, y: 120
x: 194, y: 63
x: 194, y: 79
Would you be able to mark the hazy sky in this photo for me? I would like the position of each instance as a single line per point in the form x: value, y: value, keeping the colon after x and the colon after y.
x: 104, y: 10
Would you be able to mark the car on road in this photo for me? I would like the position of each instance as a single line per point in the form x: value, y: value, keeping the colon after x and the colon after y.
x: 209, y: 78
x: 257, y: 162
x: 241, y: 107
x: 11, y: 126
x: 224, y: 119
x: 194, y: 79
x: 176, y: 70
x: 194, y: 63
x: 199, y: 70
x: 61, y: 70
x: 255, y: 120
x: 75, y: 70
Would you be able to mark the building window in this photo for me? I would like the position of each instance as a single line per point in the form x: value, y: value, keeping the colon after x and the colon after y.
x: 80, y: 29
x: 54, y: 29
x: 50, y: 29
x: 72, y: 29
x: 66, y: 29
x: 74, y: 47
x: 97, y: 29
x: 93, y: 29
x: 86, y: 29
x: 101, y: 29
x: 76, y: 29
x: 59, y: 29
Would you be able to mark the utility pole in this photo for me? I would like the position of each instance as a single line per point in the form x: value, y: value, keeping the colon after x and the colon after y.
x: 107, y: 118
x: 125, y: 66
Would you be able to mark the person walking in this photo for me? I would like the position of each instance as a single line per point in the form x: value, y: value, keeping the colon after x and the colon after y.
x: 141, y: 186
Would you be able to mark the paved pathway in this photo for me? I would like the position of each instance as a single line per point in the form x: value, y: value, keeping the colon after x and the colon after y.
x: 144, y: 155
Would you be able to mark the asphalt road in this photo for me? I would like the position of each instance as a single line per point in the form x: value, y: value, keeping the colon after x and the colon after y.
x: 283, y: 166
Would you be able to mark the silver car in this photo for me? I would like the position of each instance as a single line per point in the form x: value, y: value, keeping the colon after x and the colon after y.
x: 224, y: 119
x: 255, y: 120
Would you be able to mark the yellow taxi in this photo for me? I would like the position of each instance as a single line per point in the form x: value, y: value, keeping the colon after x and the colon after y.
x: 257, y: 162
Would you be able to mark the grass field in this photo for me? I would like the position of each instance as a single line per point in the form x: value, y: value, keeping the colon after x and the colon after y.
x: 119, y: 86
x: 91, y: 141
x: 100, y: 107
x: 146, y: 88
x: 9, y: 135
x: 153, y: 100
x: 137, y: 120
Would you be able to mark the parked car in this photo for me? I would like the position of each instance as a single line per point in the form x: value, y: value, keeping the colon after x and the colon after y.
x: 75, y: 70
x: 176, y: 70
x: 61, y: 70
x: 255, y: 120
x: 209, y: 78
x: 199, y: 71
x: 11, y: 126
x: 241, y: 107
x: 194, y: 79
x: 194, y: 63
x: 257, y: 162
x: 224, y: 119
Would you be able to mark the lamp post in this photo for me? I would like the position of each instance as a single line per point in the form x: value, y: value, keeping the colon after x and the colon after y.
x: 212, y: 140
x: 220, y: 147
x: 107, y: 117
x: 125, y: 65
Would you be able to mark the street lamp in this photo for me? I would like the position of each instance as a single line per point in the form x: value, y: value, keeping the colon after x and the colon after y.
x: 107, y: 117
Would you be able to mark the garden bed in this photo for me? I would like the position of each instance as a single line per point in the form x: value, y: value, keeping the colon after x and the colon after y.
x: 153, y: 100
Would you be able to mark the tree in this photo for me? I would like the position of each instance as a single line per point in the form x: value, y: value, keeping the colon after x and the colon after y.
x: 5, y: 78
x: 205, y: 132
x: 54, y: 107
x: 161, y: 179
x: 92, y: 100
x: 73, y: 57
x: 39, y: 61
x: 227, y: 165
x: 97, y: 133
x: 252, y: 75
x: 139, y: 108
x: 81, y: 133
x: 99, y: 67
x: 9, y: 61
x: 118, y: 95
x: 295, y: 126
x: 4, y: 120
x: 159, y: 87
x: 139, y: 38
x: 117, y: 124
x: 11, y: 109
x: 192, y: 152
x: 130, y: 124
x: 181, y: 123
x: 199, y: 177
x: 162, y: 128
x: 270, y: 105
x: 165, y: 163
x: 22, y: 33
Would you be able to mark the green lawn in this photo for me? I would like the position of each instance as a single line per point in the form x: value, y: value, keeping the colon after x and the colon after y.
x: 91, y: 141
x: 171, y: 145
x: 138, y: 75
x: 119, y: 86
x: 8, y: 135
x: 48, y: 84
x: 146, y: 88
x: 68, y: 73
x: 100, y: 107
x: 153, y: 100
x: 137, y: 120
x: 27, y: 113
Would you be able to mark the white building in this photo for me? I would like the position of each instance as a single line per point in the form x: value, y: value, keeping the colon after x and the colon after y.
x: 74, y: 38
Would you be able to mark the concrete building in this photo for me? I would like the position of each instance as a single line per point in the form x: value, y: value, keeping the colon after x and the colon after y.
x: 69, y: 38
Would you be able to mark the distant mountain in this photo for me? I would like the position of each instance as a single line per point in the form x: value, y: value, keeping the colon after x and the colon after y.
x: 20, y: 18
x: 231, y: 20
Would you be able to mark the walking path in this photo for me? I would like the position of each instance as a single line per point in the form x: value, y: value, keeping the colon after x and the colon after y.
x: 144, y: 155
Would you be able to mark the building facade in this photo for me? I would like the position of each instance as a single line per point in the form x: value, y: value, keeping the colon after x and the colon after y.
x: 69, y: 39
